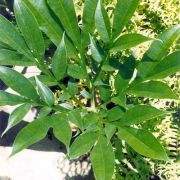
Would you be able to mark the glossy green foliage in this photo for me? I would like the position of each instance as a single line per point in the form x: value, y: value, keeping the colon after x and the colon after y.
x: 62, y: 129
x: 9, y: 57
x: 89, y: 81
x: 102, y: 158
x: 128, y: 41
x: 66, y: 13
x: 168, y: 66
x: 142, y: 112
x: 18, y: 83
x: 31, y: 134
x: 143, y: 142
x: 10, y: 36
x: 17, y: 115
x: 45, y: 93
x: 82, y: 144
x: 102, y: 23
x: 122, y: 15
x: 10, y: 99
x: 153, y: 89
x: 88, y: 20
x: 29, y: 29
x: 59, y: 61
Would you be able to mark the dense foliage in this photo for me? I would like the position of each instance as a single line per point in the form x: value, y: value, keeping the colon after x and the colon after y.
x: 90, y: 63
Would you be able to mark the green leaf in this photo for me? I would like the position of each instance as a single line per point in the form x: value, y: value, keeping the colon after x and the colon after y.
x: 159, y: 48
x: 30, y: 134
x: 128, y: 41
x: 48, y: 81
x: 143, y: 142
x: 10, y: 36
x: 66, y: 106
x: 88, y: 20
x: 140, y: 113
x: 8, y: 57
x: 153, y: 89
x: 123, y: 12
x: 72, y: 87
x: 10, y: 99
x: 125, y: 74
x: 76, y: 71
x: 120, y: 83
x: 17, y: 116
x: 120, y: 99
x: 108, y: 68
x: 85, y: 94
x: 105, y: 92
x: 44, y: 112
x: 82, y: 144
x: 90, y: 118
x: 102, y: 23
x: 61, y: 128
x: 96, y: 51
x: 18, y: 83
x: 4, y: 46
x: 115, y: 114
x: 102, y: 159
x: 109, y: 131
x: 45, y: 93
x: 48, y: 24
x: 59, y: 61
x: 64, y: 97
x: 30, y: 29
x: 66, y: 13
x: 168, y: 66
x: 75, y: 117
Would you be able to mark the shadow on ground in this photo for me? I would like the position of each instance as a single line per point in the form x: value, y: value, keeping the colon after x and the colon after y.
x: 49, y: 143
